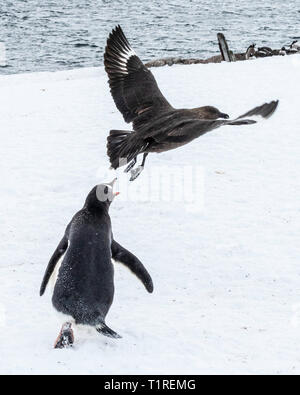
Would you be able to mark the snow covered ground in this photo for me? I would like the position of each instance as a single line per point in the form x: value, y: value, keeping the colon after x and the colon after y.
x: 226, y: 273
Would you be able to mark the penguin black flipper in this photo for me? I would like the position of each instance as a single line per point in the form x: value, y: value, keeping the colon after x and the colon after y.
x: 120, y: 254
x: 58, y: 253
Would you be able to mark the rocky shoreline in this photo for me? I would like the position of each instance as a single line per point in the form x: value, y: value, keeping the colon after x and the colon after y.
x: 226, y: 55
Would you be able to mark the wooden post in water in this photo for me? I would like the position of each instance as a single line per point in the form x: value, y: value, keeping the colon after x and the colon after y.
x: 227, y: 55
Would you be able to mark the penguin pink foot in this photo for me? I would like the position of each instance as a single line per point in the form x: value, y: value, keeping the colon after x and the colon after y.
x: 65, y: 338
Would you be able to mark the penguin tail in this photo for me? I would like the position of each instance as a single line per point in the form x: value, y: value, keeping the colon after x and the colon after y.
x: 106, y: 331
x: 123, y: 147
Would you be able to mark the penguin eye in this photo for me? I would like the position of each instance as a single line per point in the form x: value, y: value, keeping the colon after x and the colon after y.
x: 106, y: 190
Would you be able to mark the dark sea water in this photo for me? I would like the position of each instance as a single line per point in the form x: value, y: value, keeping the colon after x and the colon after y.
x: 57, y: 35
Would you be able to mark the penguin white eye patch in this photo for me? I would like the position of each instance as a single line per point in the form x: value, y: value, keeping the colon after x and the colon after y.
x: 104, y: 192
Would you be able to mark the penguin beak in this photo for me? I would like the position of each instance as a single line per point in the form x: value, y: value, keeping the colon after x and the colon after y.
x: 113, y: 182
x: 112, y: 185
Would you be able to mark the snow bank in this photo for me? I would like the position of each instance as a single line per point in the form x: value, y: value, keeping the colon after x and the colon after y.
x: 226, y: 275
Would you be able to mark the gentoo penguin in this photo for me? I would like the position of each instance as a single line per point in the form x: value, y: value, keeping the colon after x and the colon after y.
x: 250, y: 53
x: 283, y: 51
x: 84, y: 287
x: 157, y: 126
x: 295, y: 46
x: 264, y: 52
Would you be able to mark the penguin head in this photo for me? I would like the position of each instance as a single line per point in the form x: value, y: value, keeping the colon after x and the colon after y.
x: 101, y: 195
